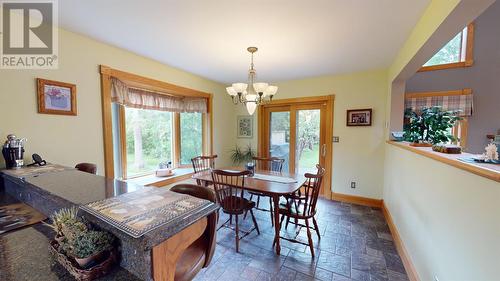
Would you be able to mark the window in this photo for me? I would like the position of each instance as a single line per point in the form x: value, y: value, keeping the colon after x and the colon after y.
x: 148, y: 139
x: 456, y: 53
x: 152, y: 137
x: 460, y: 101
x: 191, y: 131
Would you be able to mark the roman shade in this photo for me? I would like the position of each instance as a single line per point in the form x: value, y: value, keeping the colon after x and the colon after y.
x: 460, y: 101
x: 128, y: 96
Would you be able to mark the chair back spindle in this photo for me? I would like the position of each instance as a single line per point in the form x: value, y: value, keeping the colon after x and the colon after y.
x: 229, y: 189
x: 272, y: 164
x: 203, y: 163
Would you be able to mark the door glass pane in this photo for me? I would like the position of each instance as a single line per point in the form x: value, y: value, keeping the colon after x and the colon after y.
x: 280, y: 136
x: 308, y: 141
x: 149, y: 139
x: 191, y: 136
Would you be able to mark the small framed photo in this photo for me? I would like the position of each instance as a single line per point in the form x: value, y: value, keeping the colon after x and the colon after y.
x: 245, y: 127
x: 359, y: 117
x: 56, y: 97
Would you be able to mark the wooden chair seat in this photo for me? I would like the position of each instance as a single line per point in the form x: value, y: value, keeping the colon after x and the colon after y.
x: 295, y: 213
x: 241, y: 205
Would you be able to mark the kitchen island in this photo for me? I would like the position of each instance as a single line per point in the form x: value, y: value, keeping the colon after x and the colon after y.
x: 147, y: 256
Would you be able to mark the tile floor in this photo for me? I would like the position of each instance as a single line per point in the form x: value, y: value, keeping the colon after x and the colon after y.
x: 355, y: 244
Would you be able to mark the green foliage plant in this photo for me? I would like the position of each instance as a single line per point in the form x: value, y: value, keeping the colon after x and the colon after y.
x: 239, y: 155
x: 430, y: 125
x: 91, y: 242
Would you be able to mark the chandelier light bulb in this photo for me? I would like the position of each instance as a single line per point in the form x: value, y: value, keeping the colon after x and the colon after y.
x: 251, y: 106
x: 231, y: 91
x: 260, y: 87
x: 240, y: 87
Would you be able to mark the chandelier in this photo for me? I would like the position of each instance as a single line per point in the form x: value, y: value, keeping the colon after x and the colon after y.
x: 253, y: 93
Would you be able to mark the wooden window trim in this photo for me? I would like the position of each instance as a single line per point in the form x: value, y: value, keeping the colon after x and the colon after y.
x: 160, y: 87
x: 469, y: 54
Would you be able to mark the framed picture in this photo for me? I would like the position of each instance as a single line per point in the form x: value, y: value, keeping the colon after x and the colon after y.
x: 56, y: 97
x: 359, y: 117
x: 245, y: 127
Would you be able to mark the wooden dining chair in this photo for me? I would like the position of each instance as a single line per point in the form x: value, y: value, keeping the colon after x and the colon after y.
x: 307, y: 210
x: 200, y: 253
x: 203, y: 163
x: 87, y: 168
x: 273, y: 164
x: 229, y: 190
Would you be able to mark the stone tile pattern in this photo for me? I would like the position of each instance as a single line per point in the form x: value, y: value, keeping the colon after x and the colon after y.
x: 356, y: 244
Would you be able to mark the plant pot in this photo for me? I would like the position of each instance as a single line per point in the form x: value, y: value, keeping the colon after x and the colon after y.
x: 420, y: 144
x: 83, y: 262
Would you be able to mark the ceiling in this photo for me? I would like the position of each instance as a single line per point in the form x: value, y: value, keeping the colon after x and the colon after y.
x: 296, y: 38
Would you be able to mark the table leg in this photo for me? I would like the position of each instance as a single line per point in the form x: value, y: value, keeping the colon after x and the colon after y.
x: 276, y: 201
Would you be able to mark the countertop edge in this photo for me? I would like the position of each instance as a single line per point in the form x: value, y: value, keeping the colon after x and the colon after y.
x: 450, y: 159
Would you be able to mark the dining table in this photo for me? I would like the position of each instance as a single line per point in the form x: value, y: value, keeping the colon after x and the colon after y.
x: 269, y: 183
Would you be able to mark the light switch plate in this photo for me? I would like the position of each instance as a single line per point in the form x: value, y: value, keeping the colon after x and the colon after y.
x: 336, y: 139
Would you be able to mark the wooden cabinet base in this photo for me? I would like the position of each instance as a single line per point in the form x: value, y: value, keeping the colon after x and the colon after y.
x: 166, y: 255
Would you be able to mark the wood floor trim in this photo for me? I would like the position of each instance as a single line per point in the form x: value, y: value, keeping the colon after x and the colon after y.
x: 411, y: 272
x: 365, y: 201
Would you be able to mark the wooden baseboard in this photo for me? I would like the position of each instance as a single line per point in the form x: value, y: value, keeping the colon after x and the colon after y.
x: 403, y: 253
x: 357, y: 200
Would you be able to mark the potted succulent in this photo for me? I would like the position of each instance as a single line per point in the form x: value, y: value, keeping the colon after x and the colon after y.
x: 66, y: 224
x: 89, y: 246
x: 429, y: 126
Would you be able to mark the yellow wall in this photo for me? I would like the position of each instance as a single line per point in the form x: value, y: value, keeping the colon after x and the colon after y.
x: 434, y: 15
x: 447, y: 217
x: 359, y: 155
x: 71, y: 139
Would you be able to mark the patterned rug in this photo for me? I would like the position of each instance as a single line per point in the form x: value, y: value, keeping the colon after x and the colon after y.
x: 18, y: 215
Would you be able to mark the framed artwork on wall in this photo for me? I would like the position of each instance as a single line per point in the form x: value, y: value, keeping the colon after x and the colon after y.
x: 245, y: 127
x: 359, y: 117
x: 56, y: 97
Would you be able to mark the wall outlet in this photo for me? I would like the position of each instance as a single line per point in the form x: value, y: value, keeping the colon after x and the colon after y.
x: 336, y: 139
x: 353, y: 184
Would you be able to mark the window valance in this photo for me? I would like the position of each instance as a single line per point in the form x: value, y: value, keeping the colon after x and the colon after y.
x: 460, y: 101
x: 139, y: 98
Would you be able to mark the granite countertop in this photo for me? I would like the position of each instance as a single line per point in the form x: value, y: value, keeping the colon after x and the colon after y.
x: 24, y: 255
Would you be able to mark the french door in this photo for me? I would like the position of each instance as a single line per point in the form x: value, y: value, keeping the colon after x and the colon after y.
x: 299, y: 131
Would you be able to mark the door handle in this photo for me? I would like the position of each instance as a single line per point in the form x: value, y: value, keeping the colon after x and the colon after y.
x: 324, y: 150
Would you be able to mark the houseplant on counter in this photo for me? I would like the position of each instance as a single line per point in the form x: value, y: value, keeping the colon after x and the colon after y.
x: 429, y: 126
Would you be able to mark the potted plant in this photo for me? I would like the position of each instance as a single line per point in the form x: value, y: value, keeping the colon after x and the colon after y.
x: 66, y: 224
x: 429, y: 126
x: 239, y: 155
x: 89, y: 246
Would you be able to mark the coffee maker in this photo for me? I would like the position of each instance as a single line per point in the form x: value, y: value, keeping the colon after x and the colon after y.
x: 13, y: 152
